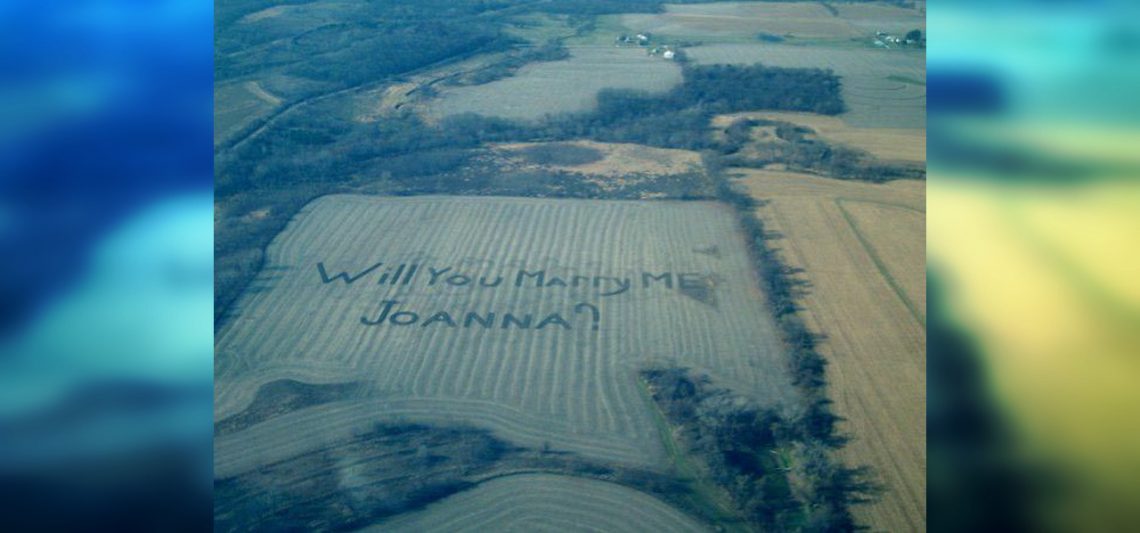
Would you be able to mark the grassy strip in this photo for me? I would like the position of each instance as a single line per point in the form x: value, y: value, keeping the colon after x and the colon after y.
x: 705, y: 495
x: 880, y: 266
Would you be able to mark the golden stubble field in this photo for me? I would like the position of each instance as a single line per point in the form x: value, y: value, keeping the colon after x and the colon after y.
x: 862, y: 248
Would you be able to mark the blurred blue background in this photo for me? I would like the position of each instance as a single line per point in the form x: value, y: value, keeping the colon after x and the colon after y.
x: 105, y: 265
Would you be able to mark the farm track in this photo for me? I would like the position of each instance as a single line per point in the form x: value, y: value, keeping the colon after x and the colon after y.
x: 545, y: 502
x: 257, y: 90
x: 914, y: 292
x: 570, y: 390
x: 872, y: 339
x: 236, y: 106
x: 279, y: 113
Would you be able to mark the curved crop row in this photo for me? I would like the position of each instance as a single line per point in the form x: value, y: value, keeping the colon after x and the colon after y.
x: 543, y: 502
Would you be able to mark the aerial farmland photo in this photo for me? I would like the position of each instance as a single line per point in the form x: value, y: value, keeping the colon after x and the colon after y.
x: 569, y: 265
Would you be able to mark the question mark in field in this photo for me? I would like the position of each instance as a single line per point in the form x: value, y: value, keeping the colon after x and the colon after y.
x: 597, y: 315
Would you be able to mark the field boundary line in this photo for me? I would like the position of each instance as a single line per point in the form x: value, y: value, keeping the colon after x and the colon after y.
x: 879, y: 265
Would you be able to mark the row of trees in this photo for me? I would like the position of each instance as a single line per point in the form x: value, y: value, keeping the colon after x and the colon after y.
x: 320, y: 146
x: 833, y: 487
x: 800, y: 150
x: 779, y: 474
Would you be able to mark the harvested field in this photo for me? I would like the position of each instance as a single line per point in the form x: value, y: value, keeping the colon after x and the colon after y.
x: 732, y: 21
x: 565, y: 86
x: 874, y: 17
x: 887, y: 144
x: 544, y: 502
x: 861, y: 247
x: 803, y: 21
x: 875, y: 81
x: 560, y: 378
x: 895, y: 237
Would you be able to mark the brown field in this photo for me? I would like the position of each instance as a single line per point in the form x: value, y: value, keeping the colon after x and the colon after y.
x: 888, y: 144
x: 740, y: 22
x: 618, y: 160
x: 733, y: 21
x: 862, y: 250
x: 873, y: 17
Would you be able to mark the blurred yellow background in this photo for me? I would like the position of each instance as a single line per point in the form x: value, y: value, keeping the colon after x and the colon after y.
x: 1046, y: 277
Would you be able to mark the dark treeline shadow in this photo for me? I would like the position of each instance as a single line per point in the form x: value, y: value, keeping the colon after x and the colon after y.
x: 976, y: 480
